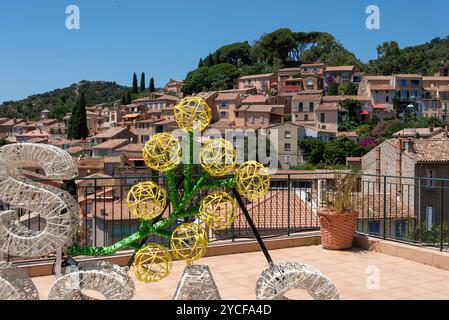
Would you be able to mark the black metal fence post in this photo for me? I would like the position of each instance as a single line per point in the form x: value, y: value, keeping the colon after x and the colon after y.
x: 385, y: 209
x: 441, y: 216
x: 288, y: 204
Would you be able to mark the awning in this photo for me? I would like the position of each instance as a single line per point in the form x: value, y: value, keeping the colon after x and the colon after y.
x: 379, y: 106
x: 364, y: 113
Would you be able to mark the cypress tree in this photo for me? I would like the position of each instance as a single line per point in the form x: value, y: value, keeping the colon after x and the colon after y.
x: 78, y: 120
x: 135, y: 86
x: 142, y: 82
x: 152, y: 89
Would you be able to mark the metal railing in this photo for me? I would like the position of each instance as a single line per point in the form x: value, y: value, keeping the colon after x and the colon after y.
x: 408, y: 209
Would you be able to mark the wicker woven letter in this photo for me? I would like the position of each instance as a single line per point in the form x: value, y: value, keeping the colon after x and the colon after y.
x: 111, y: 281
x: 56, y: 206
x: 15, y: 284
x: 277, y: 280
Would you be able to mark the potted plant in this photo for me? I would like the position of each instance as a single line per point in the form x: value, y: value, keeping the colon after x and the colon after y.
x: 338, y: 218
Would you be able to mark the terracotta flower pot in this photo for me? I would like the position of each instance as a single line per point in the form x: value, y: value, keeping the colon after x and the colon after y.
x: 337, y: 229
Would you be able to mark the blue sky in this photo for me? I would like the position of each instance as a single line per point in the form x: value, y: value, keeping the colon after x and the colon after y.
x: 165, y: 39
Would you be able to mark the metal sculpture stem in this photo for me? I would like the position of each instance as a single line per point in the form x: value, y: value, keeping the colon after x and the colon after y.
x: 252, y: 226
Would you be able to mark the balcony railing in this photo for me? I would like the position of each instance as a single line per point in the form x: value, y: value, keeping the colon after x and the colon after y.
x: 407, y: 209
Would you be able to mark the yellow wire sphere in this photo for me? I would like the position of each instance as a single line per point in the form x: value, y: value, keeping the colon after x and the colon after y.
x: 192, y: 114
x: 146, y: 200
x: 162, y: 152
x: 189, y: 242
x: 152, y: 263
x: 217, y: 210
x: 218, y: 157
x: 252, y: 180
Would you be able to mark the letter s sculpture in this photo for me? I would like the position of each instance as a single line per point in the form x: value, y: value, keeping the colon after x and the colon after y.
x: 56, y: 206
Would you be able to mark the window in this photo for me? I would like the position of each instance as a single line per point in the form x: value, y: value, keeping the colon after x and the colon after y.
x: 403, y: 83
x: 426, y: 105
x: 287, y: 147
x: 300, y: 106
x: 251, y: 119
x: 262, y: 119
x: 374, y: 227
x: 387, y: 99
x: 287, y: 134
x: 322, y: 117
x: 287, y: 159
x: 429, y: 217
x: 306, y: 117
x: 309, y: 83
x: 224, y: 105
x: 224, y: 115
x: 434, y: 105
x: 414, y: 83
x: 311, y: 106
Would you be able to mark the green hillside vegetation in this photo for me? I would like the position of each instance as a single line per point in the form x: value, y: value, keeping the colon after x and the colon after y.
x: 62, y: 100
x: 273, y: 51
x: 423, y: 59
x: 286, y: 48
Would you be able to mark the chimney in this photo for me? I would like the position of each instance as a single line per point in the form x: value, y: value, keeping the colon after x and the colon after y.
x: 410, y: 146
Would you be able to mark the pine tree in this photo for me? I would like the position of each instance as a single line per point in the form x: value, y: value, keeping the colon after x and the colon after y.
x: 200, y: 63
x: 152, y: 89
x: 142, y: 82
x: 135, y: 86
x: 78, y: 120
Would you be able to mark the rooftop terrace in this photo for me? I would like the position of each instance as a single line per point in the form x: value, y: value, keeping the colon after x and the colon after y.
x: 350, y: 271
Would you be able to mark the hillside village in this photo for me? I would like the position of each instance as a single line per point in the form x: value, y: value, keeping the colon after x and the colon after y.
x: 302, y: 105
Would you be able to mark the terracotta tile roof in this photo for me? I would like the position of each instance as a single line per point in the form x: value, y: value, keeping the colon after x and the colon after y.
x: 341, y: 98
x: 306, y: 97
x: 371, y: 206
x: 255, y: 76
x: 11, y: 122
x: 227, y: 96
x: 406, y: 75
x: 427, y: 150
x: 290, y: 69
x: 378, y: 78
x: 423, y: 132
x: 327, y: 106
x: 73, y: 150
x: 90, y: 163
x: 381, y: 87
x: 263, y: 108
x: 435, y: 78
x: 312, y: 65
x: 110, y: 133
x: 206, y: 95
x: 271, y: 212
x: 259, y: 98
x: 35, y: 133
x: 132, y: 147
x: 132, y: 115
x: 111, y: 144
x: 339, y: 68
